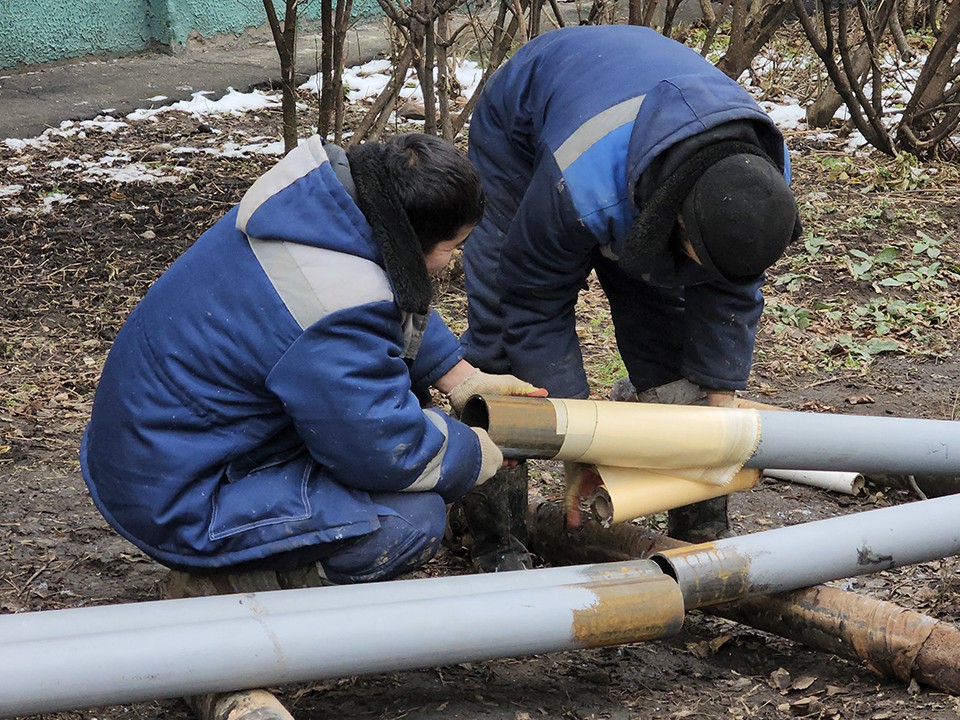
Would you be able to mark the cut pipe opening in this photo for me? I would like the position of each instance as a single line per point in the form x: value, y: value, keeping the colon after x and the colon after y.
x: 475, y: 413
x: 666, y: 567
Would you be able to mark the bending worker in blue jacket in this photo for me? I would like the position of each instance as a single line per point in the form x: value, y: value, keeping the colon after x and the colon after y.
x: 618, y: 150
x: 258, y: 410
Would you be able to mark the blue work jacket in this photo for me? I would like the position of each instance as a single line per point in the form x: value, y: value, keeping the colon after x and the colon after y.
x: 561, y: 135
x: 259, y: 391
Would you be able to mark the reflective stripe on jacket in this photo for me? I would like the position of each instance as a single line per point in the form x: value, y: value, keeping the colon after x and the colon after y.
x: 561, y: 135
x: 258, y: 393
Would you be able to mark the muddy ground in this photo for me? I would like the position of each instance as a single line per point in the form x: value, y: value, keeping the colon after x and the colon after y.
x: 862, y: 317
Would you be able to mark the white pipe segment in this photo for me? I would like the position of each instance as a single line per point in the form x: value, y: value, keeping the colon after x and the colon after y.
x: 22, y: 627
x: 263, y: 648
x: 803, y: 555
x: 849, y: 483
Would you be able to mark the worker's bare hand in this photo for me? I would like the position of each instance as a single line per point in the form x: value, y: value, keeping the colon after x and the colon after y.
x: 581, y: 480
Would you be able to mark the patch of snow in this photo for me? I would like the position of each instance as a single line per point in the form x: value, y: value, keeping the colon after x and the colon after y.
x: 8, y: 190
x: 370, y: 79
x: 233, y: 103
x: 55, y: 199
x: 789, y: 115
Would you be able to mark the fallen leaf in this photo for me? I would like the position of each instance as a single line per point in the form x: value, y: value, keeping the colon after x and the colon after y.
x: 802, y: 682
x: 718, y: 642
x: 806, y: 706
x: 780, y: 679
x: 859, y: 400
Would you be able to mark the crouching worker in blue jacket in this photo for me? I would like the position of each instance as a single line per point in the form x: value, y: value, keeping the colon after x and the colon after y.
x: 617, y: 150
x: 258, y: 412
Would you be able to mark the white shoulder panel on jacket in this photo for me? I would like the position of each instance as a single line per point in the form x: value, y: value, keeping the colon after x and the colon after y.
x: 315, y: 282
x: 306, y: 157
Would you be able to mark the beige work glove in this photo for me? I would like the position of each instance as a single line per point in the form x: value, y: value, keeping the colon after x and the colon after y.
x: 580, y: 480
x: 491, y: 458
x: 481, y: 383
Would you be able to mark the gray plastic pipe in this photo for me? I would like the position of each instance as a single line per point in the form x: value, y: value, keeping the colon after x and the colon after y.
x: 803, y: 555
x: 24, y: 627
x: 862, y: 443
x: 192, y: 654
x: 536, y: 428
x: 79, y: 658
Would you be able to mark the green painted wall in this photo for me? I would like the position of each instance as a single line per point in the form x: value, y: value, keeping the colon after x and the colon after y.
x: 35, y: 31
x: 40, y: 31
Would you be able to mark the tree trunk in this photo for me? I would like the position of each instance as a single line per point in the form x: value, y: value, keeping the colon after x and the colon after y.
x: 285, y: 38
x: 753, y: 32
x: 341, y: 25
x: 327, y: 97
x: 821, y: 111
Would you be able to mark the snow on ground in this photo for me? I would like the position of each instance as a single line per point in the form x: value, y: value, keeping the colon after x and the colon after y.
x: 363, y: 83
x: 234, y: 102
x: 366, y: 81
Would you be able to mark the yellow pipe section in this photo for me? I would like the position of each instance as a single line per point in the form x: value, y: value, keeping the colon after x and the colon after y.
x: 699, y: 443
x: 629, y: 493
x: 651, y: 457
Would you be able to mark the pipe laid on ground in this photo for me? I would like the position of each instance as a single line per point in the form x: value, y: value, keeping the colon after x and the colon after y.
x: 892, y: 641
x: 849, y: 483
x: 189, y: 654
x: 265, y: 648
x: 668, y: 436
x: 24, y: 627
x: 802, y: 555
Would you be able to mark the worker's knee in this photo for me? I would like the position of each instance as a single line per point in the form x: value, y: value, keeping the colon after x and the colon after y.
x: 411, y: 528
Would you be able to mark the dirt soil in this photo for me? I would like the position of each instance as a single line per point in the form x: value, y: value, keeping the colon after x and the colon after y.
x: 850, y: 328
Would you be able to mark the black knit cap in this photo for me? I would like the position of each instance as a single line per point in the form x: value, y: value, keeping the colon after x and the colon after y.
x: 740, y: 216
x: 737, y: 209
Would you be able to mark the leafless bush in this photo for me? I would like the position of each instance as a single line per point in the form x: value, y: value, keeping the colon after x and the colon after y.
x: 851, y: 40
x: 933, y: 111
x: 846, y: 40
x: 430, y: 36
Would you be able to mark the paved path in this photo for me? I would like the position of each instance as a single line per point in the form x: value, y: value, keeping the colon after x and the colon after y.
x: 34, y: 99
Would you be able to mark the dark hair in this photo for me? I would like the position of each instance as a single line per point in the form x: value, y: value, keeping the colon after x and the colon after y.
x: 437, y: 185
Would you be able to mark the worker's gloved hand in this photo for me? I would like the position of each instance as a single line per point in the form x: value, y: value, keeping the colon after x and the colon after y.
x: 580, y: 481
x: 491, y: 458
x: 481, y: 383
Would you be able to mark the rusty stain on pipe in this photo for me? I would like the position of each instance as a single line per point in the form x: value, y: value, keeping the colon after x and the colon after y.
x: 890, y: 640
x: 522, y: 429
x: 624, y: 615
x: 709, y: 574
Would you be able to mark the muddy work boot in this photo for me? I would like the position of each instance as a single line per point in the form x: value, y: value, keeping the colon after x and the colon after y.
x: 700, y: 522
x: 495, y: 514
x: 178, y: 584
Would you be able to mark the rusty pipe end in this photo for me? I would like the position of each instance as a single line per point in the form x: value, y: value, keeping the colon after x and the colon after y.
x: 523, y: 427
